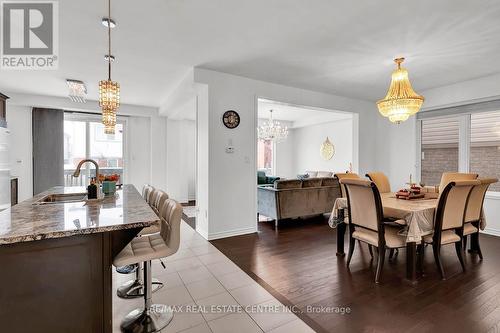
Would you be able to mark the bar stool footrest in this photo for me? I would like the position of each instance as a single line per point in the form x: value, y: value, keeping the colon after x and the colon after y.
x: 157, y: 317
x: 135, y: 289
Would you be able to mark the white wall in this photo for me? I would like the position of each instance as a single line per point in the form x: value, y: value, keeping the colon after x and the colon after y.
x: 232, y: 177
x: 283, y: 155
x: 307, y: 142
x: 139, y: 154
x: 20, y: 150
x: 181, y: 159
x: 396, y: 151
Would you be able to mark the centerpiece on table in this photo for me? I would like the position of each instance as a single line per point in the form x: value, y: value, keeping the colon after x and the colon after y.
x: 109, y: 183
x: 412, y: 192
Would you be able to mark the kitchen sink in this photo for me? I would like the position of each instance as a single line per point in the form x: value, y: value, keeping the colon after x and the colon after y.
x: 61, y: 198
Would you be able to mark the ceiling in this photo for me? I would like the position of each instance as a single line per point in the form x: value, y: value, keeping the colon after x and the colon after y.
x: 341, y: 47
x: 298, y: 116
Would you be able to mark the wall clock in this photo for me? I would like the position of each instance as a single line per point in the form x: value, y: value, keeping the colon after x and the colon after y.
x: 327, y: 150
x: 231, y: 119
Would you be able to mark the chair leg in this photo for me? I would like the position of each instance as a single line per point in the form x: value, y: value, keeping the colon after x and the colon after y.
x: 151, y: 318
x: 465, y: 242
x: 135, y: 288
x: 478, y: 247
x: 437, y: 257
x: 474, y: 246
x: 380, y: 263
x: 370, y: 250
x: 391, y: 253
x: 352, y: 243
x: 458, y: 248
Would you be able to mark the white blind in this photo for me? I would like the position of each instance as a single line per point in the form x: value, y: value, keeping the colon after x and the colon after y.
x: 472, y: 108
x: 440, y: 131
x: 485, y: 127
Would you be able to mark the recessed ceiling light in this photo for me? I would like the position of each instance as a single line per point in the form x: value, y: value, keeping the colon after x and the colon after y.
x: 105, y: 21
x: 77, y: 91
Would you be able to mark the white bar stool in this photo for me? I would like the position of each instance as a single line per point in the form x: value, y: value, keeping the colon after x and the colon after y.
x: 153, y: 317
x: 134, y: 288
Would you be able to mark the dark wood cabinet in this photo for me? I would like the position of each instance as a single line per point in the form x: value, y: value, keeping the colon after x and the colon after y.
x: 14, y: 196
x: 3, y: 110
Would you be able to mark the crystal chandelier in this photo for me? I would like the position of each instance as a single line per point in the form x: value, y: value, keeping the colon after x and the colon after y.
x: 272, y: 130
x: 401, y: 100
x: 109, y: 91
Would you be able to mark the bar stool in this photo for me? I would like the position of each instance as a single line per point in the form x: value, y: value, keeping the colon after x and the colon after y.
x: 153, y: 317
x: 146, y: 192
x: 134, y: 288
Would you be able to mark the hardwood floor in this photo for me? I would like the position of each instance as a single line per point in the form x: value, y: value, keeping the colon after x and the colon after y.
x: 298, y: 266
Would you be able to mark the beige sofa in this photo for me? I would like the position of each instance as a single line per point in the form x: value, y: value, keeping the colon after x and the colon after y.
x: 319, y: 174
x: 298, y: 198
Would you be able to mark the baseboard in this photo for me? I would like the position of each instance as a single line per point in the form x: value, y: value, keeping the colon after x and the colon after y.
x: 232, y: 233
x: 491, y: 231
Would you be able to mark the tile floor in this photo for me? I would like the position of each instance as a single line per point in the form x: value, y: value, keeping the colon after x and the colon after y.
x: 199, y: 276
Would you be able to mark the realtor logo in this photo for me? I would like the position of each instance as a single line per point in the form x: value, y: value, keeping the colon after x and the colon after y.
x: 30, y: 35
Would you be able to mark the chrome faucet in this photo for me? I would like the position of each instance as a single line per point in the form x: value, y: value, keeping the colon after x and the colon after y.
x: 79, y: 166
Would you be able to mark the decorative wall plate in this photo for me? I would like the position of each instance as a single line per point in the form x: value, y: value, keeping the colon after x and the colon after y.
x: 327, y: 150
x: 231, y: 119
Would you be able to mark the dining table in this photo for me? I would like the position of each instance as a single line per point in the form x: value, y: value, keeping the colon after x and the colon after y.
x: 415, y: 216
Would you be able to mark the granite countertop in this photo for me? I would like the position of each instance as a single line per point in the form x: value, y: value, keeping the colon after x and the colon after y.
x: 27, y: 222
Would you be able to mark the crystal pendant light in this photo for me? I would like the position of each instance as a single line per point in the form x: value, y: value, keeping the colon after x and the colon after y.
x: 109, y: 90
x: 272, y: 130
x: 401, y: 100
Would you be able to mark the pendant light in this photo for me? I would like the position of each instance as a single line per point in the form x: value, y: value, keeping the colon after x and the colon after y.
x: 401, y: 100
x: 272, y: 130
x: 109, y: 90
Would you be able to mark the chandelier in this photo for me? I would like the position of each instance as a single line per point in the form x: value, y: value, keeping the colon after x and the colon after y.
x: 401, y: 100
x: 109, y: 90
x: 272, y: 130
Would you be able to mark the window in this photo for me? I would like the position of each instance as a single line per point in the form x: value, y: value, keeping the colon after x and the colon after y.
x: 265, y: 158
x: 485, y: 145
x: 440, y: 139
x: 84, y: 137
x: 468, y: 142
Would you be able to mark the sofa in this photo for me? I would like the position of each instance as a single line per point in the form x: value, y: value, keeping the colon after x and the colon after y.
x: 298, y: 198
x: 262, y: 179
x: 319, y: 174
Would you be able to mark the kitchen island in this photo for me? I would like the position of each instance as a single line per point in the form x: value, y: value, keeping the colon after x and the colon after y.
x: 56, y: 258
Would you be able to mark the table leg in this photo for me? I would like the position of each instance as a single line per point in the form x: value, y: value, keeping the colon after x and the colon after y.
x: 340, y: 239
x: 411, y: 262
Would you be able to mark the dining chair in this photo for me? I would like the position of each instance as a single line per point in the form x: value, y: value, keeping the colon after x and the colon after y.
x: 381, y: 180
x: 366, y: 221
x: 449, y: 222
x: 473, y: 213
x: 345, y: 175
x: 448, y: 177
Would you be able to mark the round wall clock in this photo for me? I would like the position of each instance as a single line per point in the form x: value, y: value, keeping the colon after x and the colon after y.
x: 327, y: 150
x: 231, y: 119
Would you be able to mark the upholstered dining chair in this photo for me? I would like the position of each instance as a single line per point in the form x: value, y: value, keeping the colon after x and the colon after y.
x: 152, y: 318
x: 345, y: 175
x: 448, y: 177
x: 366, y: 221
x: 381, y: 180
x: 449, y: 221
x: 473, y: 213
